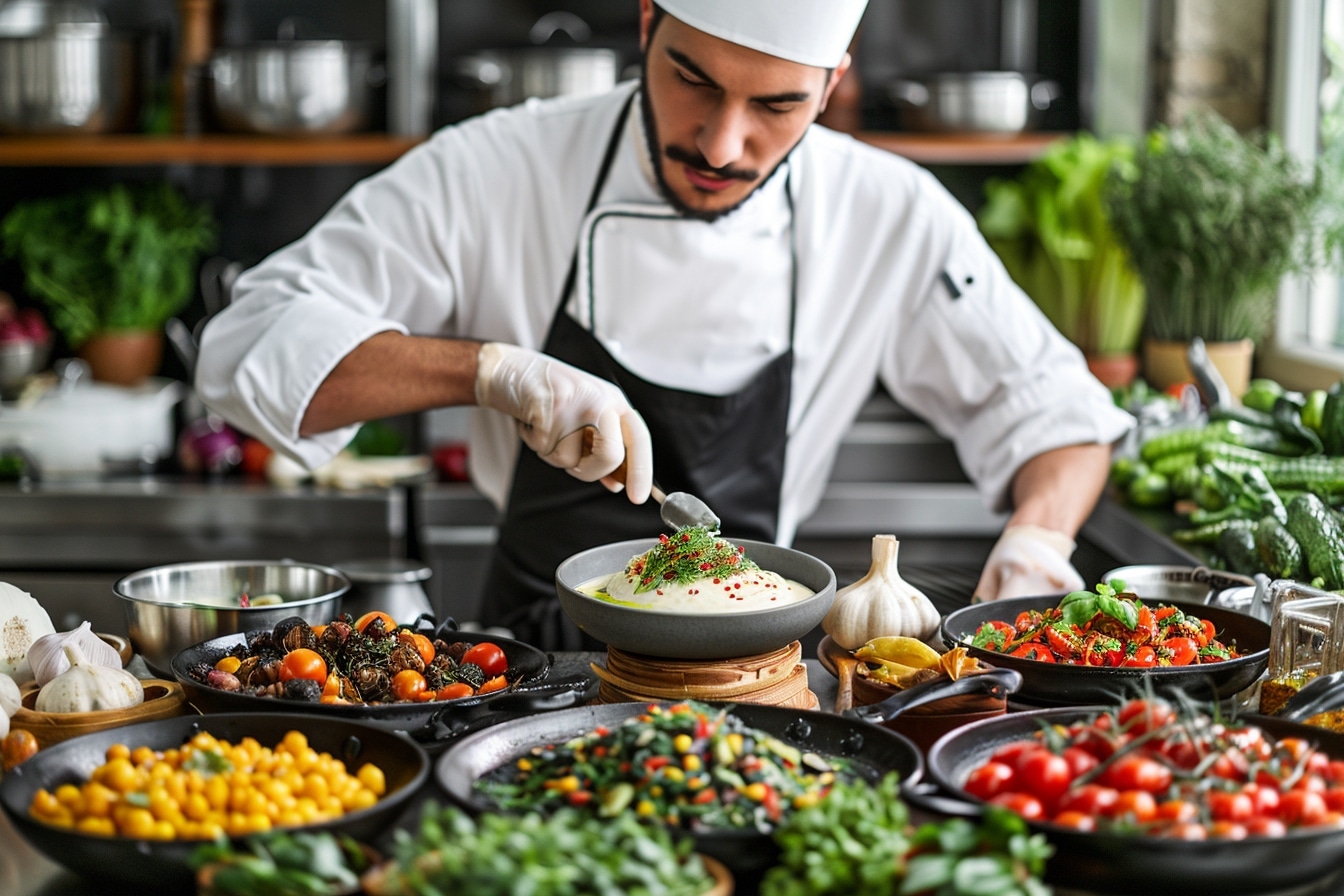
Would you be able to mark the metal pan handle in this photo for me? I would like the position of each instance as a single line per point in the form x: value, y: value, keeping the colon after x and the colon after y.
x: 525, y: 700
x: 994, y: 683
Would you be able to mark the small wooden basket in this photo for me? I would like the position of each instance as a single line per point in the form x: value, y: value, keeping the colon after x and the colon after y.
x: 778, y: 678
x: 163, y: 700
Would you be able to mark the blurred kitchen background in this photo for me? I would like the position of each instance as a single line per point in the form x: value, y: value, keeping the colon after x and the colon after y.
x: 970, y: 88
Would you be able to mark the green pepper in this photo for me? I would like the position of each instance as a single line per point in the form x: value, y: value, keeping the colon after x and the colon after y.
x: 1313, y: 410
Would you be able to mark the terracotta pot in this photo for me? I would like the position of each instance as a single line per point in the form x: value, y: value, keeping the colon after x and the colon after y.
x: 123, y: 357
x: 1114, y: 369
x: 1164, y: 363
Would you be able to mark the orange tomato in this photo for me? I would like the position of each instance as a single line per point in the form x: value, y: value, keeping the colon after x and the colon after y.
x: 363, y: 622
x: 454, y: 691
x: 19, y: 745
x: 408, y: 684
x: 319, y: 629
x: 303, y: 663
x: 421, y: 643
x: 493, y: 684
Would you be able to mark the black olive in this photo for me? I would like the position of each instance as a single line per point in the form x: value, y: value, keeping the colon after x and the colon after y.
x: 303, y: 689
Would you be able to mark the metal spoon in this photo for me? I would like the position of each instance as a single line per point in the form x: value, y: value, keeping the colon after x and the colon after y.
x: 682, y: 509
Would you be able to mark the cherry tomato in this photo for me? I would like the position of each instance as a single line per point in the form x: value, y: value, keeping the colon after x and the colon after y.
x: 408, y: 684
x: 1009, y: 754
x: 1186, y: 830
x: 1334, y: 799
x: 1036, y: 652
x: 488, y: 656
x: 498, y: 683
x: 1142, y: 716
x: 1251, y: 741
x: 1334, y: 772
x: 363, y: 622
x: 989, y: 780
x: 454, y: 691
x: 1044, y: 775
x: 1078, y: 821
x: 303, y: 663
x: 1137, y: 772
x: 421, y: 643
x: 1137, y: 806
x: 1228, y: 830
x: 1264, y: 800
x: 1182, y: 753
x: 1023, y: 804
x: 1230, y: 805
x: 1080, y: 761
x: 1177, y: 811
x: 1261, y: 826
x: 1302, y: 807
x: 1232, y: 765
x: 1143, y: 658
x: 1090, y: 799
x: 1184, y: 651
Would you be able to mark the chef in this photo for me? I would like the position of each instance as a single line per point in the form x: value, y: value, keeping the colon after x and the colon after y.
x: 683, y: 281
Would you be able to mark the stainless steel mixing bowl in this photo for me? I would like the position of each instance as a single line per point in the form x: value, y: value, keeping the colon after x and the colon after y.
x: 67, y: 78
x: 170, y: 608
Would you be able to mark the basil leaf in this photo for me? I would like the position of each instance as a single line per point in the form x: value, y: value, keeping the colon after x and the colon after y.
x: 989, y: 638
x: 1078, y: 607
x: 928, y: 872
x: 1118, y: 609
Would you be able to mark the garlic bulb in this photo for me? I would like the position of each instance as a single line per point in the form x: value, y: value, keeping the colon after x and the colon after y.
x: 86, y: 686
x: 879, y: 604
x: 10, y: 698
x: 48, y: 659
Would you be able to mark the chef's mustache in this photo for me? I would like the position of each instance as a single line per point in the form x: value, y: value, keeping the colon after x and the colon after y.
x: 697, y: 161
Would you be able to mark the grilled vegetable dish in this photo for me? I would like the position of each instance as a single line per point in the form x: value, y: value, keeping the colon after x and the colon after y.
x: 690, y: 765
x: 1108, y: 627
x: 369, y: 660
x: 1150, y: 769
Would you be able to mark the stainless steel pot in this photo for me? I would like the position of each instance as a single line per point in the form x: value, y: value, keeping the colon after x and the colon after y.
x: 979, y: 102
x: 294, y: 87
x: 389, y: 584
x: 511, y: 76
x: 66, y: 77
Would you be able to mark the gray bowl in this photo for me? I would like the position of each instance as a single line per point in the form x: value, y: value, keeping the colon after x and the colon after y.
x: 690, y: 636
x: 168, y: 608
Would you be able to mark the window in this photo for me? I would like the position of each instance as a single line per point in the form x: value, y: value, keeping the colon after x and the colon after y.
x: 1307, y: 109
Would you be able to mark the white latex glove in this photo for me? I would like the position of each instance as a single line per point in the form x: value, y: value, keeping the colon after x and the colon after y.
x: 556, y: 404
x: 1028, y: 560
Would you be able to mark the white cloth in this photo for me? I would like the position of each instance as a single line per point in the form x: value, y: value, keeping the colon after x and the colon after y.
x: 812, y: 32
x: 1028, y: 560
x: 471, y: 234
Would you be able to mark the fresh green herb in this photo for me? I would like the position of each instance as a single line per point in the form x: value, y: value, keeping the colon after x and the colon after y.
x: 691, y: 554
x: 1078, y: 607
x: 207, y: 762
x: 565, y: 854
x: 990, y: 638
x: 1049, y: 225
x: 118, y: 258
x: 858, y: 840
x: 283, y: 863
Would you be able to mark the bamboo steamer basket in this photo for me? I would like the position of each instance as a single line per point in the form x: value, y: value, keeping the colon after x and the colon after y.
x: 163, y: 700
x: 776, y: 678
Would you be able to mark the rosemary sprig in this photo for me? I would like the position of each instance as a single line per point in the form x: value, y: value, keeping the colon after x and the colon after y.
x: 688, y: 555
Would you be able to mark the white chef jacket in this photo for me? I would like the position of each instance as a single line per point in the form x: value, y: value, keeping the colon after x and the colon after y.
x: 471, y: 235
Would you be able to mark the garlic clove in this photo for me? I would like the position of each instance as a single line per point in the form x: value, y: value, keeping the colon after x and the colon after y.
x: 47, y: 654
x: 10, y: 698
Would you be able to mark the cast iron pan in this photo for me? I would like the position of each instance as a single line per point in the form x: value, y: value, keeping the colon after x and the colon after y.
x: 874, y: 750
x: 434, y: 721
x: 1115, y: 863
x: 1053, y: 684
x: 160, y: 865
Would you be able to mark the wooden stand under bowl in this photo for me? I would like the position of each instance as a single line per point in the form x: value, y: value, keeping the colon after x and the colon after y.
x: 777, y: 678
x: 163, y: 700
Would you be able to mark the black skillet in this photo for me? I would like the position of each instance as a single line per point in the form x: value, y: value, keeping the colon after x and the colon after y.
x: 431, y: 722
x: 1054, y: 684
x: 162, y: 865
x: 1104, y: 862
x: 874, y: 750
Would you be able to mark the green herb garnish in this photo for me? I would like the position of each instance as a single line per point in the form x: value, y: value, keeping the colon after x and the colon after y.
x: 688, y: 555
x: 1078, y: 607
x: 207, y: 762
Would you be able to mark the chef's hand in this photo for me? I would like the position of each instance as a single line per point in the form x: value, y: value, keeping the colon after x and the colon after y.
x: 1028, y: 560
x: 572, y: 419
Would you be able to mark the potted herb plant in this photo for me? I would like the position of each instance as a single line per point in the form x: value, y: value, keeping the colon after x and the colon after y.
x: 1213, y: 220
x: 111, y: 264
x: 1049, y: 226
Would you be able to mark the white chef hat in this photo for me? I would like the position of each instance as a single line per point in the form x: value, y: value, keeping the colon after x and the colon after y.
x: 812, y: 32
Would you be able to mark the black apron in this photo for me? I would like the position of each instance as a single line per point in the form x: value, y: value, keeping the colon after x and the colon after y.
x: 726, y: 449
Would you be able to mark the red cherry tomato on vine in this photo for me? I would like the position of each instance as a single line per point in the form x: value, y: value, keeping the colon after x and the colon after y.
x: 1184, y: 651
x: 1141, y: 716
x: 989, y: 780
x: 1137, y: 772
x: 490, y: 657
x: 1044, y: 774
x: 1090, y: 799
x: 1143, y: 658
x: 1023, y: 804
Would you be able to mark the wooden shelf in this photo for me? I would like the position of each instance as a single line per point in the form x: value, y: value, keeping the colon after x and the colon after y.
x: 211, y: 149
x: 380, y: 149
x: 963, y: 149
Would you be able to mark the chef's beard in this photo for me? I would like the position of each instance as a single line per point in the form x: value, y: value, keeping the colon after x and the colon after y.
x: 657, y: 153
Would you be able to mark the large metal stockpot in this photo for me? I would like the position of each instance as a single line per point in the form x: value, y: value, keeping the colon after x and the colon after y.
x: 63, y: 70
x: 977, y: 102
x: 293, y: 87
x: 509, y: 76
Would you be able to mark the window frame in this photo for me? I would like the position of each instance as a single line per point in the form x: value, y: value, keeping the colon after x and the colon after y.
x: 1293, y: 114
